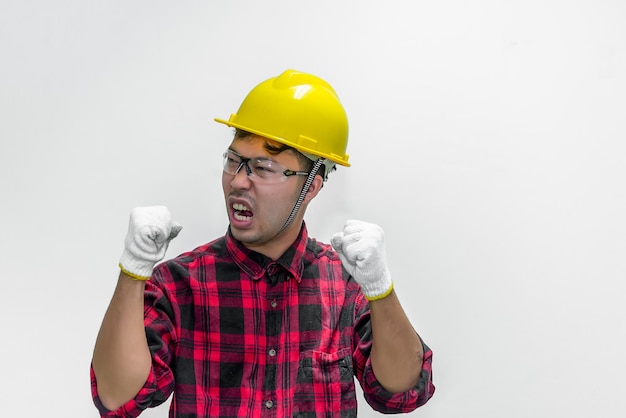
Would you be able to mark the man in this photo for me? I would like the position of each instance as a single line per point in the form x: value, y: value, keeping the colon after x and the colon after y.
x: 264, y: 321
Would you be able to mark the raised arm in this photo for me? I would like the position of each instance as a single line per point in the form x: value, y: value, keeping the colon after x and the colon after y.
x: 121, y: 358
x: 397, y: 351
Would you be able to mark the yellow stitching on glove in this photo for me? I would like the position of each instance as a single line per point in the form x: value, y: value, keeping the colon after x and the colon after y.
x: 132, y: 275
x: 384, y: 295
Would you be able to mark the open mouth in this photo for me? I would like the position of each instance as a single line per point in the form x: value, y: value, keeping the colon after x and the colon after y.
x: 241, y: 212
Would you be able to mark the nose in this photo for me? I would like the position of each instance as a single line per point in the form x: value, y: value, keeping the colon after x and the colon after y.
x: 241, y: 179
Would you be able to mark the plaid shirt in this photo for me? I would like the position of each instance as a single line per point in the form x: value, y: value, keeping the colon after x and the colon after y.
x: 235, y: 334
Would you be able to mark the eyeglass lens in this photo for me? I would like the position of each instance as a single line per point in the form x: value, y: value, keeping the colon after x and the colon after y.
x: 258, y: 169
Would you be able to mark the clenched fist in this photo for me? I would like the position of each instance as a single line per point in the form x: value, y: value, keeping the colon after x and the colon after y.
x: 361, y: 248
x: 150, y: 231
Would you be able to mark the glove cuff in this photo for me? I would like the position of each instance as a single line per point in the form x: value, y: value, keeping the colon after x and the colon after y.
x: 137, y: 269
x: 378, y: 289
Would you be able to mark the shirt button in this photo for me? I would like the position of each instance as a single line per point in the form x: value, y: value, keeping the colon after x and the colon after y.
x: 269, y: 404
x: 273, y: 304
x: 272, y: 352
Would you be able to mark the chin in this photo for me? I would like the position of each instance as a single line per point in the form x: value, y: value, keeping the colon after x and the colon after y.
x: 244, y: 235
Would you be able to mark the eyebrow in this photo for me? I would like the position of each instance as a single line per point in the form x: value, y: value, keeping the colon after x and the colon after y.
x: 253, y: 158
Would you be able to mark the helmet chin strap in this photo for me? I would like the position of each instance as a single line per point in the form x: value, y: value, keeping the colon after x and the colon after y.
x: 305, y: 189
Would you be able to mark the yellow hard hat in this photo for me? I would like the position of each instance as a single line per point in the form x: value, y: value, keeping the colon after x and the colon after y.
x: 299, y: 110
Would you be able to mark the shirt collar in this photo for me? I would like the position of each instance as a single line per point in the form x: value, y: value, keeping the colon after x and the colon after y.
x: 256, y: 264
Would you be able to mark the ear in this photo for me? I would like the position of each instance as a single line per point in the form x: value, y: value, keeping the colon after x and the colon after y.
x: 314, y: 189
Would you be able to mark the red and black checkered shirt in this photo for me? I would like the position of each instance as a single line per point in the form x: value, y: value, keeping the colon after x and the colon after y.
x: 235, y: 334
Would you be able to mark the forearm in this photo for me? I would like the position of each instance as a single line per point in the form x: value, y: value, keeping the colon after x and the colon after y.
x: 121, y: 358
x: 397, y: 351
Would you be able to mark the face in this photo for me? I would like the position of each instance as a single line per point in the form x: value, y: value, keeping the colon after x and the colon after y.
x: 258, y: 211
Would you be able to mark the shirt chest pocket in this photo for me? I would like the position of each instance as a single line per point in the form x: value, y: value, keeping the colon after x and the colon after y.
x: 325, y: 385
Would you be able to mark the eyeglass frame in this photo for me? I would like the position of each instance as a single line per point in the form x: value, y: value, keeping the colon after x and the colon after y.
x: 244, y: 162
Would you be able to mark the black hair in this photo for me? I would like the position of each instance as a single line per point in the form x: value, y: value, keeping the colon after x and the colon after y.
x: 273, y: 149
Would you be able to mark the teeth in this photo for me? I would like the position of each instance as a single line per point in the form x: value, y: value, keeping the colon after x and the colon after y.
x: 239, y: 206
x: 241, y: 217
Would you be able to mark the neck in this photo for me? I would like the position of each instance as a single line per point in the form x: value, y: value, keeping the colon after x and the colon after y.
x: 275, y: 248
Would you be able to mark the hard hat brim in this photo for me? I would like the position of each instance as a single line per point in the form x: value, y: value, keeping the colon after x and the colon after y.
x: 334, y: 158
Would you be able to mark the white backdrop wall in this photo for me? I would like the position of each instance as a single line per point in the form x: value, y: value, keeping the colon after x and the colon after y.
x: 486, y: 137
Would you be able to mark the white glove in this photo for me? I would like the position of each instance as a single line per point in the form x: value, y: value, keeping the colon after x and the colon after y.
x: 150, y: 231
x: 362, y: 251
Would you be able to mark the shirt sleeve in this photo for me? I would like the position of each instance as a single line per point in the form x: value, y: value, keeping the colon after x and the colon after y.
x: 161, y: 335
x: 374, y: 393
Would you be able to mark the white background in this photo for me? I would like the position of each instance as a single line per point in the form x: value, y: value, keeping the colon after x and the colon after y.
x: 486, y: 137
